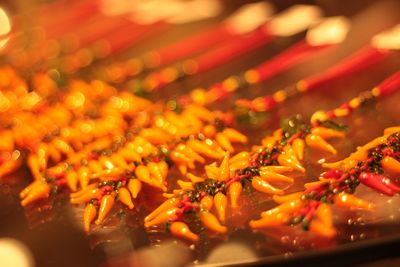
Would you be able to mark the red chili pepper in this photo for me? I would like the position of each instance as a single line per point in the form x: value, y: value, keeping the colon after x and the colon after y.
x: 376, y: 181
x: 61, y: 182
x: 389, y: 183
x: 333, y: 174
x: 93, y: 156
x: 294, y: 137
x: 387, y: 152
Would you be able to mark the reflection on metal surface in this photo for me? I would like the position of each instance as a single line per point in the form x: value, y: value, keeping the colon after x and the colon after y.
x: 295, y: 19
x: 14, y: 253
x: 389, y: 39
x: 203, y: 9
x: 249, y: 17
x: 5, y: 28
x: 230, y: 253
x: 331, y: 30
x: 166, y: 254
x: 173, y: 11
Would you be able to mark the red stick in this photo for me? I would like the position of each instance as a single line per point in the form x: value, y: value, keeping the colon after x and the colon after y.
x: 51, y: 17
x: 295, y: 54
x: 119, y: 41
x: 232, y: 50
x: 100, y: 27
x: 220, y: 55
x: 390, y: 85
x: 60, y: 26
x: 127, y: 36
x: 49, y: 11
x: 194, y: 44
x: 359, y: 61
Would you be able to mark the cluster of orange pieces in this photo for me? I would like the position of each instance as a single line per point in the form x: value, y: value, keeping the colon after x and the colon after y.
x: 105, y: 145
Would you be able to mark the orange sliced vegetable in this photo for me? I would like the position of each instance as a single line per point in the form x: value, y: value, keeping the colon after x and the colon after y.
x: 317, y: 142
x: 172, y: 202
x: 224, y: 170
x: 181, y: 230
x: 163, y: 217
x: 235, y: 189
x: 125, y: 197
x: 211, y: 222
x: 88, y: 216
x: 262, y: 186
x: 390, y: 164
x: 285, y: 160
x: 107, y: 202
x: 220, y: 202
x: 207, y: 202
x: 134, y: 186
x: 298, y: 147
